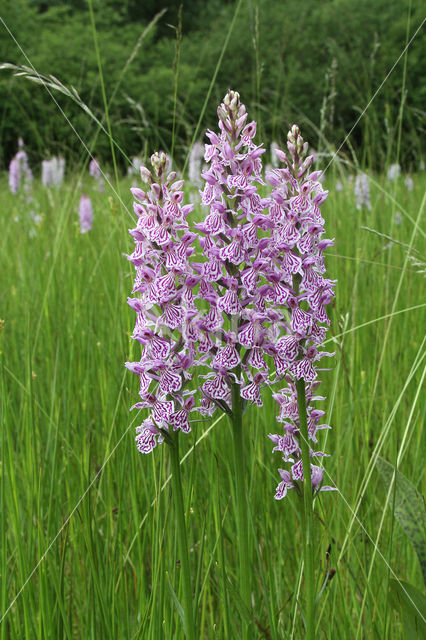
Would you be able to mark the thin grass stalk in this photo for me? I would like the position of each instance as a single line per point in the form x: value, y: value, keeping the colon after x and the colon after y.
x: 307, y: 513
x: 240, y: 500
x: 182, y: 539
x: 398, y: 152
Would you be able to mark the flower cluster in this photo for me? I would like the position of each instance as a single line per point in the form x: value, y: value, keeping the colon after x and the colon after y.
x: 250, y: 312
x: 85, y: 214
x: 165, y: 306
x: 296, y: 249
x: 52, y: 172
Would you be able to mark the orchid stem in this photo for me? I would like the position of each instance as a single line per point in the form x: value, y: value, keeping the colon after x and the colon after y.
x: 241, y: 501
x: 189, y: 625
x: 307, y: 513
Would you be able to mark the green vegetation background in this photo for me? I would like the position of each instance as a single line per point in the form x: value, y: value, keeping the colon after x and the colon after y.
x: 285, y: 59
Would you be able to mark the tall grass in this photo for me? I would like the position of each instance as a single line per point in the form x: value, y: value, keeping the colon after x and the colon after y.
x: 65, y: 403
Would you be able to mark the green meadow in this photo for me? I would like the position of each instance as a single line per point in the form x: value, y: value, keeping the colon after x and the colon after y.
x: 88, y: 539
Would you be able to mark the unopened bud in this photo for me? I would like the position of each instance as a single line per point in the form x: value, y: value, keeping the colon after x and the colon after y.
x: 156, y: 190
x: 295, y: 131
x: 226, y: 125
x: 159, y: 162
x: 306, y: 164
x: 146, y: 175
x: 235, y: 103
x: 291, y: 147
x: 241, y: 121
x: 221, y: 112
x: 281, y: 156
x: 138, y: 194
x: 232, y: 100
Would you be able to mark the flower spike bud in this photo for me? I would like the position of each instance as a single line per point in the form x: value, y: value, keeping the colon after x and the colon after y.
x: 172, y: 176
x: 241, y: 121
x: 293, y: 133
x: 307, y: 163
x: 222, y: 113
x: 159, y: 163
x: 146, y: 175
x: 281, y: 156
x: 299, y: 145
x: 156, y: 189
x: 235, y: 102
x: 292, y: 148
x: 139, y: 194
x: 232, y: 100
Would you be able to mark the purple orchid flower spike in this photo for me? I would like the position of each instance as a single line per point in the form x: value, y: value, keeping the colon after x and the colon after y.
x: 166, y: 324
x: 299, y: 227
x: 300, y: 196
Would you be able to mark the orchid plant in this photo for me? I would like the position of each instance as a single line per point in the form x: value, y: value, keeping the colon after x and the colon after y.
x: 240, y: 298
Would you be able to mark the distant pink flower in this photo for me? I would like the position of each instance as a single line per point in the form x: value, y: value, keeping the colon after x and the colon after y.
x: 362, y: 191
x: 85, y: 213
x: 14, y: 175
x: 19, y: 171
x: 95, y: 169
x: 409, y: 182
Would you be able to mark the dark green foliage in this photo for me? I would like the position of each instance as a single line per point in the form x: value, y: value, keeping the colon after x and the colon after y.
x: 412, y: 604
x: 409, y: 509
x: 335, y: 53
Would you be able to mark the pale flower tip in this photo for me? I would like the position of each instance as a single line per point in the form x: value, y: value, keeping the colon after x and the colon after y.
x: 291, y: 147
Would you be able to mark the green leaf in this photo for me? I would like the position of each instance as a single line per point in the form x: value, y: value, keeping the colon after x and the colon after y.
x: 409, y: 509
x: 240, y: 604
x: 176, y: 602
x: 413, y: 606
